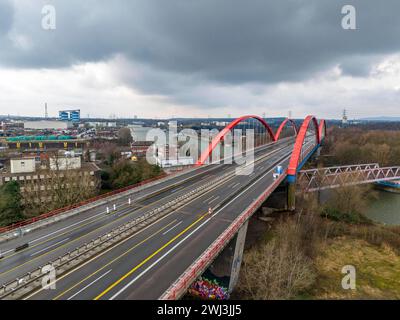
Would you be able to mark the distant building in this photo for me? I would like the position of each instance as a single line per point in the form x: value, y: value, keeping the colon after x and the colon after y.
x: 40, y: 144
x: 221, y: 123
x: 101, y: 124
x: 345, y: 119
x: 30, y: 176
x: 180, y: 162
x: 65, y: 163
x: 139, y: 148
x: 48, y: 125
x: 70, y: 115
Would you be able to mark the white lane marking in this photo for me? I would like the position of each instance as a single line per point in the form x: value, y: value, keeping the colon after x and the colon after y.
x: 67, y: 227
x: 157, y: 261
x: 170, y: 229
x: 53, y: 245
x: 209, y: 198
x: 214, y: 200
x: 230, y: 185
x: 5, y: 252
x: 178, y: 189
x: 236, y: 185
x: 93, y: 282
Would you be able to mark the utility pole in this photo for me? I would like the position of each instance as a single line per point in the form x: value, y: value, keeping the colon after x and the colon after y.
x: 46, y: 115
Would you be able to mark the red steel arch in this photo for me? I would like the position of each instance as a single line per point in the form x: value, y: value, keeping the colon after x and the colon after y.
x: 322, y: 130
x: 294, y: 161
x: 283, y: 124
x: 206, y: 153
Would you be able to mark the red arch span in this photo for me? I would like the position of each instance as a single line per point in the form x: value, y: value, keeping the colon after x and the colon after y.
x: 283, y: 124
x: 204, y: 156
x: 322, y: 130
x: 294, y: 161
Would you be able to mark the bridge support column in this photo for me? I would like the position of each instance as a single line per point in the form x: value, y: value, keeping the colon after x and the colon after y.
x: 291, y: 193
x: 226, y: 267
x: 238, y: 256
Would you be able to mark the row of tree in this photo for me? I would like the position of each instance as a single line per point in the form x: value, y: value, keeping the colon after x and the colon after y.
x: 355, y: 145
x: 125, y: 172
x: 11, y: 208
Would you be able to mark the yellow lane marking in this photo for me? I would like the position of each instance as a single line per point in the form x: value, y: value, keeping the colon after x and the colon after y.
x: 112, y: 261
x: 149, y: 257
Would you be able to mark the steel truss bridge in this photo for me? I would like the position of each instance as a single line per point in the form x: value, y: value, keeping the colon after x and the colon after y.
x: 159, y: 236
x: 342, y: 176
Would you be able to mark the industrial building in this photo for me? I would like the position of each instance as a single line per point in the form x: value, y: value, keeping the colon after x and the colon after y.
x: 48, y: 125
x: 179, y: 162
x: 70, y: 115
x: 31, y: 174
x: 26, y: 165
x: 45, y: 143
x: 65, y: 163
x: 139, y: 148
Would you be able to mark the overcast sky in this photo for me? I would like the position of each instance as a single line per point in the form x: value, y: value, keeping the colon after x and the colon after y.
x: 186, y: 58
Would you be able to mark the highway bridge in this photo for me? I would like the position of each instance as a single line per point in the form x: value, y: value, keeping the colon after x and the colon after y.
x: 152, y: 242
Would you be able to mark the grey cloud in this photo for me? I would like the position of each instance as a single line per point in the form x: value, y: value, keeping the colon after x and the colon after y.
x: 178, y: 44
x: 6, y: 17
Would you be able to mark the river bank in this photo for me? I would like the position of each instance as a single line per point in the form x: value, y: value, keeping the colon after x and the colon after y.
x: 385, y: 208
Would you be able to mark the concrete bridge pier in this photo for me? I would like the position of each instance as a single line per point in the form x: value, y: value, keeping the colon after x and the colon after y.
x: 226, y: 267
x: 277, y: 201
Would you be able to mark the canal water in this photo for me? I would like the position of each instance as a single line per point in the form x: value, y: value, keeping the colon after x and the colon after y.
x: 385, y: 209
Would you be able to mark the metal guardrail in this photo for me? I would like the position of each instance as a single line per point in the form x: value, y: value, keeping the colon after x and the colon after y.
x: 29, y: 282
x: 78, y: 205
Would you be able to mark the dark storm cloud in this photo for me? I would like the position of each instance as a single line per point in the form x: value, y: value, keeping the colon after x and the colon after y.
x: 177, y: 43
